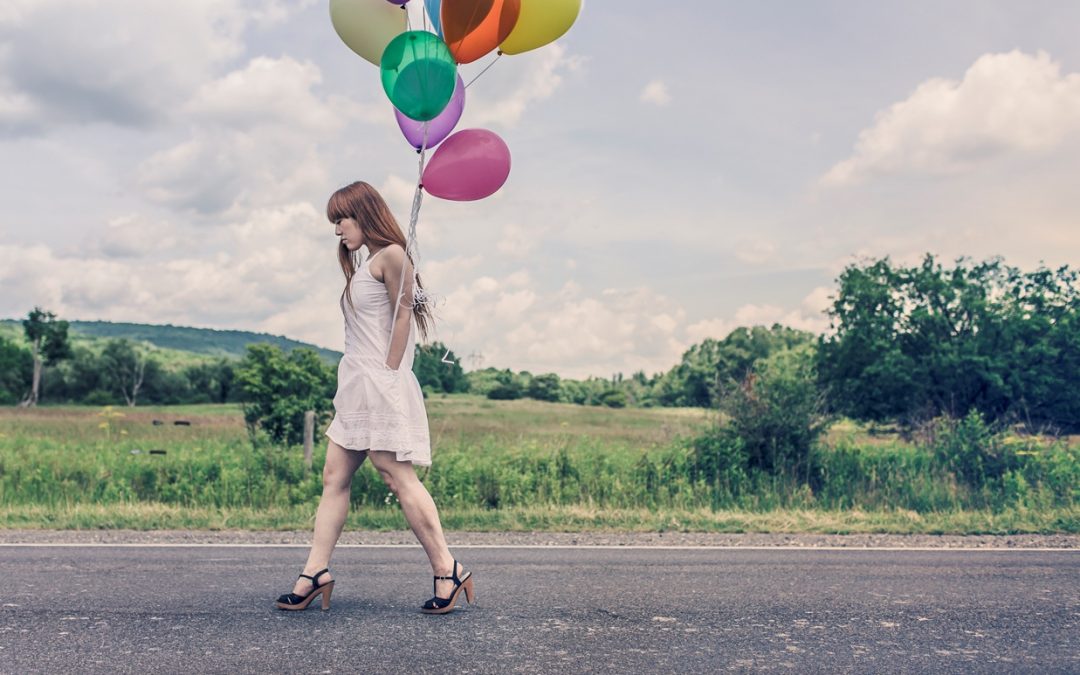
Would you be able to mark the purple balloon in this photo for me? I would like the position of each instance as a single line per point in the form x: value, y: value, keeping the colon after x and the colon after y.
x: 470, y: 165
x: 439, y: 127
x: 397, y: 2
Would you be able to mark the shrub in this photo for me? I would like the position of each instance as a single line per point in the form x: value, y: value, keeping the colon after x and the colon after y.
x: 719, y: 460
x: 508, y: 387
x: 777, y: 413
x: 100, y: 397
x: 278, y: 389
x: 546, y: 387
x: 613, y: 398
x: 970, y: 449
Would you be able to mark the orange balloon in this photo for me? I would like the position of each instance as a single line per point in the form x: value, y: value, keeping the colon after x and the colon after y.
x: 473, y: 28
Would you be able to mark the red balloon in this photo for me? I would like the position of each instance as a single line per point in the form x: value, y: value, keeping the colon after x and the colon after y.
x: 469, y: 165
x: 473, y: 28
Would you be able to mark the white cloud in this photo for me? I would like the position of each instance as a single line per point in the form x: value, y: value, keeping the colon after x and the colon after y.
x: 255, y: 144
x: 279, y: 267
x: 121, y: 61
x: 655, y: 92
x: 815, y: 304
x: 204, y: 174
x: 124, y: 62
x: 565, y: 331
x: 576, y: 333
x: 755, y: 250
x: 516, y: 241
x: 430, y: 235
x: 441, y: 274
x: 133, y: 236
x: 808, y: 316
x: 1006, y: 103
x: 543, y: 73
x: 398, y: 193
x: 268, y: 92
x: 270, y: 12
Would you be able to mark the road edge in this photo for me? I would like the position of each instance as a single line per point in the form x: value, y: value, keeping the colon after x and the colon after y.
x: 17, y: 537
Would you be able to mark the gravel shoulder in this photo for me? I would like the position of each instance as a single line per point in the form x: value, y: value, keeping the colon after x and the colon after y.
x: 496, y: 539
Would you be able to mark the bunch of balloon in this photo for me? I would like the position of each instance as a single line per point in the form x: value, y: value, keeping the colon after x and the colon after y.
x: 419, y: 76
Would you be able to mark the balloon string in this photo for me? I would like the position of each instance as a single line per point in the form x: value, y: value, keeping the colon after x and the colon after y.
x: 412, y: 251
x: 485, y: 69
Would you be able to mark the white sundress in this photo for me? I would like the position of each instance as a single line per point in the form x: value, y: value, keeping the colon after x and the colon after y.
x: 376, y: 407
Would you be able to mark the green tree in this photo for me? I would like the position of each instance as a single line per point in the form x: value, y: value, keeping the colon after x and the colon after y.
x: 125, y: 364
x: 48, y: 338
x: 613, y: 398
x: 16, y: 371
x: 914, y: 343
x: 84, y: 374
x: 168, y: 385
x: 639, y: 390
x: 437, y: 367
x: 277, y: 389
x: 712, y: 365
x: 546, y: 387
x: 482, y: 381
x: 212, y: 382
x: 508, y: 386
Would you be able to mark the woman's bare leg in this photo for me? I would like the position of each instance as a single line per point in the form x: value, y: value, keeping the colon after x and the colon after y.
x: 420, y: 512
x: 341, y: 465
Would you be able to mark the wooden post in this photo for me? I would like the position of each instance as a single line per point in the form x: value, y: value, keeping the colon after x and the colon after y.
x: 309, y: 436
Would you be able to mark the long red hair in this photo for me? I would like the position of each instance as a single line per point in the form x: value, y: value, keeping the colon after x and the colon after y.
x: 365, y: 205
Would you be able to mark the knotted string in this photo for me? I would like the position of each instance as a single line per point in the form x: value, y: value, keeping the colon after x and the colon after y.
x: 412, y: 252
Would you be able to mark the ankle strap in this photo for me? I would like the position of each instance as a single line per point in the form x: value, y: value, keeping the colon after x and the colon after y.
x: 453, y: 576
x: 315, y: 577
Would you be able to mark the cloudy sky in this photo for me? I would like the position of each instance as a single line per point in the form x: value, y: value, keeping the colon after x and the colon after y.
x: 679, y: 169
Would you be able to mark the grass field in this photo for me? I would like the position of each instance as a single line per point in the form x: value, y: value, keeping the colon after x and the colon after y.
x: 498, y: 465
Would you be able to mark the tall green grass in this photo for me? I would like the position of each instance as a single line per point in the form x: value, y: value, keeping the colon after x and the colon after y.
x: 510, y: 465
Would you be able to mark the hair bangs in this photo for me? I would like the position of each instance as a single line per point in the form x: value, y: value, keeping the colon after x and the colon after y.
x: 340, y: 206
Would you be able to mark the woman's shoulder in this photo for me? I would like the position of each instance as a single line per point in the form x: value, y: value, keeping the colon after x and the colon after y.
x: 394, y: 251
x: 391, y: 254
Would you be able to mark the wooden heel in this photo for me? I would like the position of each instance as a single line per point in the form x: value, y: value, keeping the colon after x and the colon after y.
x: 326, y: 595
x: 470, y: 596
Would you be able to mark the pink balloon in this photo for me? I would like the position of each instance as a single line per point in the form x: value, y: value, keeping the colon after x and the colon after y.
x: 469, y: 165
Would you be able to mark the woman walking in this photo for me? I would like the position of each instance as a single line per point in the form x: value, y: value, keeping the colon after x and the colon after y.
x: 379, y: 408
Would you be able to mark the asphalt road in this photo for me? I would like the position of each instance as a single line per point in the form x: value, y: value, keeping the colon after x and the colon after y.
x: 210, y: 609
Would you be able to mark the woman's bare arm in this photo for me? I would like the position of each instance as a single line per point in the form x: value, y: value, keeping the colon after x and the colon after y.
x: 391, y: 265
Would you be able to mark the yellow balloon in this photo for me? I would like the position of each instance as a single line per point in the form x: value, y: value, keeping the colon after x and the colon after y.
x: 540, y: 22
x: 367, y: 26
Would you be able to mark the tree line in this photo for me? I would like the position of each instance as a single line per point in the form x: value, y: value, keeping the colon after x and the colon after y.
x: 54, y: 368
x: 906, y: 344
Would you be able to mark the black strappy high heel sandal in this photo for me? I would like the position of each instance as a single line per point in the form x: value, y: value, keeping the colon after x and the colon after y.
x: 292, y: 601
x: 437, y: 605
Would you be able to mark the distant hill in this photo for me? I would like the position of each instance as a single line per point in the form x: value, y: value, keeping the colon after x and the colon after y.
x: 208, y: 341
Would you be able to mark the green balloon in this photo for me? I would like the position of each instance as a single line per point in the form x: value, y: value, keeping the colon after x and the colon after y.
x: 418, y: 74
